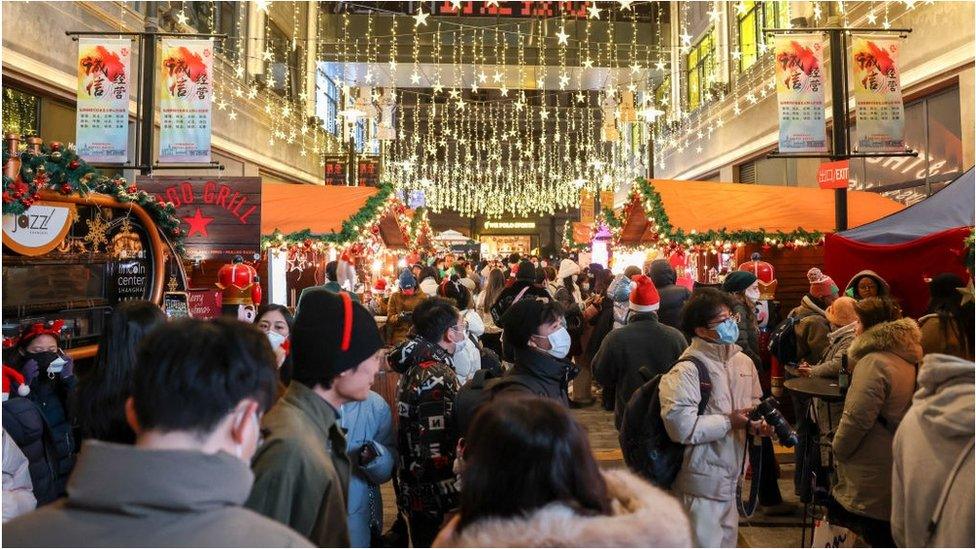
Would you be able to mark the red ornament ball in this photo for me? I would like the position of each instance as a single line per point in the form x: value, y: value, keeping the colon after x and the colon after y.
x: 55, y: 145
x: 73, y: 165
x: 132, y: 189
x: 66, y: 188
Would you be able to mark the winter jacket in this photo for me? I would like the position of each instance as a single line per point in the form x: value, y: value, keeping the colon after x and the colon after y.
x: 468, y: 360
x: 125, y: 496
x: 929, y: 457
x: 400, y: 310
x: 426, y: 434
x: 882, y: 385
x: 838, y: 341
x: 851, y: 290
x: 428, y: 286
x: 24, y: 422
x: 714, y: 454
x: 811, y: 328
x: 302, y: 470
x: 673, y: 297
x: 644, y: 341
x: 18, y: 493
x: 368, y: 422
x: 748, y: 333
x: 619, y: 293
x: 942, y: 337
x: 643, y: 516
x: 537, y: 373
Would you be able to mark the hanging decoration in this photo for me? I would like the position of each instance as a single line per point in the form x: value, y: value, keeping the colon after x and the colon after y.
x: 58, y: 168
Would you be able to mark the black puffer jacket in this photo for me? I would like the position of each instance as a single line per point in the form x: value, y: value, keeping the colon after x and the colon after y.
x: 537, y: 373
x: 673, y: 297
x: 24, y: 422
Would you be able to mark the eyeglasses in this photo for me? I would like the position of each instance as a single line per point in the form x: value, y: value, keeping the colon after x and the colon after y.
x: 714, y: 323
x: 461, y: 328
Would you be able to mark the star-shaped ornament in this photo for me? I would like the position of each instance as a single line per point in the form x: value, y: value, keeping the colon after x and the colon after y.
x: 414, y: 78
x: 625, y: 4
x: 588, y: 63
x: 438, y: 87
x: 198, y: 224
x: 563, y: 81
x: 420, y: 18
x: 182, y: 18
x: 454, y: 94
x: 659, y: 65
x: 267, y: 56
x: 593, y: 11
x: 497, y: 77
x: 562, y: 36
x: 504, y: 91
x: 872, y: 18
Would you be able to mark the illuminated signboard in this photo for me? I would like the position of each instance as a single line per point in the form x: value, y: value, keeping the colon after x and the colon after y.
x: 489, y: 225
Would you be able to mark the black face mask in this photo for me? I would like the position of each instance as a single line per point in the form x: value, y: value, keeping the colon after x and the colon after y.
x: 43, y: 359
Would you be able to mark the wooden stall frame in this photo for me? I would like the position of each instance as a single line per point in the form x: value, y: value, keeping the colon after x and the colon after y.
x: 155, y: 242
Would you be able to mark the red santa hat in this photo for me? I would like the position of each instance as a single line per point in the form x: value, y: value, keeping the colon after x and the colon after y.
x: 379, y: 285
x: 644, y: 297
x: 12, y: 378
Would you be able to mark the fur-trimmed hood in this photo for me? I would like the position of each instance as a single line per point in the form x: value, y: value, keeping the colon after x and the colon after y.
x: 644, y: 516
x: 901, y: 337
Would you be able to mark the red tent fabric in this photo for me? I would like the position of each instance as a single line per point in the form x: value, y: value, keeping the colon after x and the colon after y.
x: 904, y: 266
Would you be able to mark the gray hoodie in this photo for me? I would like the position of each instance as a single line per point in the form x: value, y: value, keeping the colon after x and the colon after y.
x: 933, y: 458
x: 123, y: 496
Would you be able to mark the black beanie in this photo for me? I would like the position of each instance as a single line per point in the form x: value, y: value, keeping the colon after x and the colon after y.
x: 526, y: 271
x: 738, y: 281
x: 332, y: 334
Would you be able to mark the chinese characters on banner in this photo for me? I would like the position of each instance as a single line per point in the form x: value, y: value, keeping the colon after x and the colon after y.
x: 186, y: 92
x: 102, y: 125
x: 877, y: 92
x: 587, y: 207
x: 800, y: 90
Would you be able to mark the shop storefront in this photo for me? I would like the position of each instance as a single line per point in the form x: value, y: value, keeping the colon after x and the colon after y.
x: 500, y: 238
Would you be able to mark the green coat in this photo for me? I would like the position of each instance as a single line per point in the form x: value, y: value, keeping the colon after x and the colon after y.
x: 302, y: 471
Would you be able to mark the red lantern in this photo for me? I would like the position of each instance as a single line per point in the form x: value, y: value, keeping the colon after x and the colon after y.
x: 239, y: 283
x: 764, y: 272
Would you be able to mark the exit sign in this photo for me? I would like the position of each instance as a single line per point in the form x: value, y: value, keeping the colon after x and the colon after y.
x: 834, y: 175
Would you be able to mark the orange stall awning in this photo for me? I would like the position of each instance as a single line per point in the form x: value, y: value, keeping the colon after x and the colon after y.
x: 320, y: 209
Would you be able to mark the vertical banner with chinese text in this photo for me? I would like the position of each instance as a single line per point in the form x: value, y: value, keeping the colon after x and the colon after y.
x: 587, y: 207
x: 800, y: 91
x: 102, y: 124
x: 877, y: 92
x: 186, y: 92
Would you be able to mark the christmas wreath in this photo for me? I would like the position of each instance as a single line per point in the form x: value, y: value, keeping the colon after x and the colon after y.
x: 60, y: 169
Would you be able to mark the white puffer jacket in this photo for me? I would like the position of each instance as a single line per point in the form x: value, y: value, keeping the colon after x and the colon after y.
x: 714, y: 456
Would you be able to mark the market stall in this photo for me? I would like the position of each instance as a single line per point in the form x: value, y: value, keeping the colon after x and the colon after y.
x: 712, y: 227
x: 76, y: 243
x: 304, y: 227
x: 910, y: 246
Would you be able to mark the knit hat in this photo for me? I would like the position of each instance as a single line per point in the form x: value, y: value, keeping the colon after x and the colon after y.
x: 407, y: 280
x: 821, y: 285
x: 521, y: 321
x: 738, y: 281
x: 567, y: 267
x: 332, y: 334
x: 13, y: 378
x: 644, y: 297
x: 526, y: 271
x: 841, y: 311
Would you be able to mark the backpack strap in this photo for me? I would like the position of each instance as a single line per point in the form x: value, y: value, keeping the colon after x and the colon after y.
x: 704, y: 382
x: 645, y: 373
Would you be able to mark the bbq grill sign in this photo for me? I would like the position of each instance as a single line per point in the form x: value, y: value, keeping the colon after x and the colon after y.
x: 39, y: 229
x: 221, y: 216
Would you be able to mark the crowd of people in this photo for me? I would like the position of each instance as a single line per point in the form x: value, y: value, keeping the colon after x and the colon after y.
x: 220, y: 433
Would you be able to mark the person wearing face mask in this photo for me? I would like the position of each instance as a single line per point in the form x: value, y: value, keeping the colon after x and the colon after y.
x: 49, y: 373
x: 536, y: 330
x: 426, y: 435
x: 716, y: 440
x: 469, y: 356
x: 277, y: 321
x: 302, y: 470
x: 199, y: 389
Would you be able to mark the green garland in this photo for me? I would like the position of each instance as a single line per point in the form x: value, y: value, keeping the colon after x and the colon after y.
x: 352, y: 228
x: 970, y: 254
x: 569, y: 244
x: 60, y: 169
x: 654, y: 209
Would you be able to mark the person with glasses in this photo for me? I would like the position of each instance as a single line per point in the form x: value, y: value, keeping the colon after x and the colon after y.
x: 715, y: 440
x: 198, y: 391
x: 302, y: 470
x: 427, y: 435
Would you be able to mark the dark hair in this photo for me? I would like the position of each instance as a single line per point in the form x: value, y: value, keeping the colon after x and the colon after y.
x: 703, y: 305
x: 285, y: 372
x: 946, y: 302
x: 428, y: 272
x: 523, y: 453
x: 191, y: 373
x: 550, y: 272
x: 99, y: 401
x: 331, y: 271
x: 523, y: 319
x: 872, y: 311
x: 631, y: 271
x: 514, y: 258
x: 453, y: 290
x: 433, y: 316
x: 493, y: 288
x: 601, y: 281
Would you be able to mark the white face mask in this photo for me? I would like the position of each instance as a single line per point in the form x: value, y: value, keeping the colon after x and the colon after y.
x: 752, y: 293
x: 56, y: 366
x: 560, y: 342
x: 460, y: 345
x: 276, y: 339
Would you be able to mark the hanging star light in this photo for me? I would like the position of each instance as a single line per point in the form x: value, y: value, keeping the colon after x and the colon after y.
x: 715, y: 14
x: 625, y: 4
x: 593, y: 11
x: 563, y: 81
x: 872, y: 18
x: 503, y: 90
x: 420, y: 18
x: 659, y: 65
x: 635, y: 68
x: 454, y: 94
x: 562, y: 36
x: 182, y: 18
x: 267, y: 55
x: 455, y: 5
x: 588, y: 63
x: 438, y: 87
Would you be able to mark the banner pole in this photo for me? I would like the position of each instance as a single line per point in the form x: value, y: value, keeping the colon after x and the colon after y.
x: 839, y: 145
x: 147, y: 45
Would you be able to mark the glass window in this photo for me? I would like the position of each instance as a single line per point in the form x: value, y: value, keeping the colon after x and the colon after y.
x: 933, y: 127
x: 327, y: 96
x: 219, y: 17
x: 281, y: 73
x: 21, y: 112
x: 700, y: 66
x: 750, y: 24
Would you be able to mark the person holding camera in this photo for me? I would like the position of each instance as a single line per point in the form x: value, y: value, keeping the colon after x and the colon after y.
x: 716, y: 440
x: 371, y: 447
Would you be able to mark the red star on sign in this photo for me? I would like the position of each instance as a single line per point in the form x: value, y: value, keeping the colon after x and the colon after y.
x: 198, y: 224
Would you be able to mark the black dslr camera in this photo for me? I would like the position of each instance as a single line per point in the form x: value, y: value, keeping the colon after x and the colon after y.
x: 767, y: 410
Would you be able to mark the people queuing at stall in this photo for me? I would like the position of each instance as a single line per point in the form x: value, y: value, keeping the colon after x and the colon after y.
x: 210, y: 433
